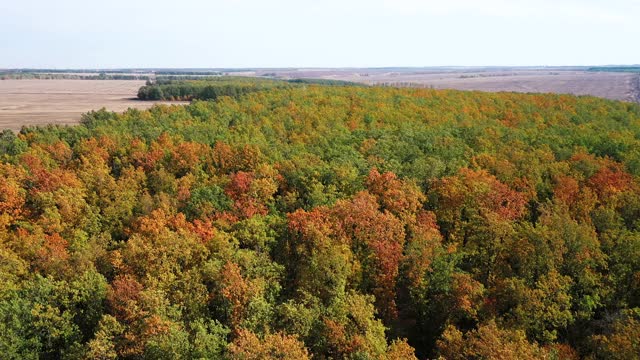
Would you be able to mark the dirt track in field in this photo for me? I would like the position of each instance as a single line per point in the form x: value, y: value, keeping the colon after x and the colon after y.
x: 38, y: 102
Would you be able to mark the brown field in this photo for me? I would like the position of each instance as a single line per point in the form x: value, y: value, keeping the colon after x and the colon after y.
x: 610, y: 85
x: 37, y: 102
x: 615, y: 86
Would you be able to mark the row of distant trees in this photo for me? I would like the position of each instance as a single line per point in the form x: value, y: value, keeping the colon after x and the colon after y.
x: 633, y: 69
x: 202, y: 90
x: 179, y: 88
x: 70, y: 76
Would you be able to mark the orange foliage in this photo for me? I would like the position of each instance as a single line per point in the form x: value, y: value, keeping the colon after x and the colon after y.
x: 466, y: 294
x: 250, y: 193
x: 376, y: 237
x: 488, y: 342
x: 46, y: 180
x: 395, y: 195
x: 337, y: 336
x: 610, y: 180
x: 401, y: 350
x: 204, y: 230
x: 60, y: 152
x: 237, y: 291
x: 155, y: 325
x: 97, y: 148
x: 186, y: 156
x: 152, y: 224
x: 384, y: 237
x: 308, y: 222
x: 566, y: 190
x: 229, y: 159
x: 142, y: 157
x: 223, y: 156
x: 53, y: 254
x: 122, y: 297
x: 247, y: 346
x: 12, y: 199
x: 483, y: 189
x: 239, y: 191
x: 421, y: 247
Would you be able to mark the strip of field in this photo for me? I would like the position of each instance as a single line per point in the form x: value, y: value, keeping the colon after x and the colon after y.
x: 38, y: 102
x: 609, y: 85
x: 615, y: 86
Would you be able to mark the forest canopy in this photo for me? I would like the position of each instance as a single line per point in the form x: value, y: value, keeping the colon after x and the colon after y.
x: 290, y: 221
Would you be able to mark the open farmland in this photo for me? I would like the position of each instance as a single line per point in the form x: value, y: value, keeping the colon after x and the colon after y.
x: 609, y: 85
x: 37, y: 102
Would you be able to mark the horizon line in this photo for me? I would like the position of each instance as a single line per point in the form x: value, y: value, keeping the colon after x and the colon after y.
x: 314, y: 67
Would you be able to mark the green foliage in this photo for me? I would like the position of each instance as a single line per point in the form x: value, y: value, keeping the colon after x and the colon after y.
x: 10, y: 144
x: 207, y: 89
x: 209, y: 339
x: 206, y: 200
x: 322, y: 219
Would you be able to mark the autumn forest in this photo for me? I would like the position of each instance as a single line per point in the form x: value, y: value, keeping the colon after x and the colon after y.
x: 298, y: 220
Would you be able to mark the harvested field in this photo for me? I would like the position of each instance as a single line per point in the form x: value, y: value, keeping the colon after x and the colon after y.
x: 615, y: 86
x: 38, y: 102
x: 610, y: 85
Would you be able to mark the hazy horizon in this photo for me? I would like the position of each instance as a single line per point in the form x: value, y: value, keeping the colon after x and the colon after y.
x: 72, y: 34
x: 329, y: 67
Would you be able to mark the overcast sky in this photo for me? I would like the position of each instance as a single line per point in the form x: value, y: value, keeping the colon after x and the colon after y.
x: 319, y: 33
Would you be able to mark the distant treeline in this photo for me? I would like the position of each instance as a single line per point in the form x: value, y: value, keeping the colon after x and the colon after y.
x: 633, y: 69
x: 208, y: 89
x: 212, y: 88
x: 400, y: 84
x: 178, y: 72
x: 181, y: 77
x: 81, y: 74
x: 70, y: 76
x: 120, y: 71
x: 325, y: 82
x: 76, y: 71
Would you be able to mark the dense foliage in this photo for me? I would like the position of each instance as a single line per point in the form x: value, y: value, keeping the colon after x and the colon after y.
x: 211, y: 88
x: 333, y: 222
x: 205, y: 89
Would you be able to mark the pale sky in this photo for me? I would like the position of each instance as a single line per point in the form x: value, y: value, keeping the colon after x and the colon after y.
x: 317, y: 33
